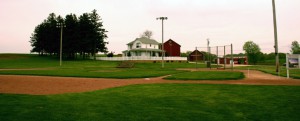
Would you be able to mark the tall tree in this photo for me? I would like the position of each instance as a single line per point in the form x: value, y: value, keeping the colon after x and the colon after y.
x: 45, y: 37
x: 84, y: 35
x: 36, y: 41
x: 295, y: 48
x: 71, y: 41
x: 52, y: 34
x: 99, y: 33
x: 147, y: 34
x: 253, y: 51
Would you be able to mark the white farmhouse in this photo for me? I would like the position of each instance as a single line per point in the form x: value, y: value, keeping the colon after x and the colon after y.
x: 143, y: 47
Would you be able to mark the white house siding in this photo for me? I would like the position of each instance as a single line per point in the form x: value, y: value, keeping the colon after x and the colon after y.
x: 144, y: 53
x: 149, y: 46
x: 145, y: 49
x: 141, y: 58
x: 135, y: 43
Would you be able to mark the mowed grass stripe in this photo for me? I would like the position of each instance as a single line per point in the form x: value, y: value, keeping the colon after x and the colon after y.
x: 49, y: 66
x: 207, y: 75
x: 165, y: 102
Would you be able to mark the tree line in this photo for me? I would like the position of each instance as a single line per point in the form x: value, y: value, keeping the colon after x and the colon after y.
x: 83, y: 35
x: 254, y: 54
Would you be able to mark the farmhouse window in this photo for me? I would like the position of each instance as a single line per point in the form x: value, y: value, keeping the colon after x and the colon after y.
x: 138, y: 45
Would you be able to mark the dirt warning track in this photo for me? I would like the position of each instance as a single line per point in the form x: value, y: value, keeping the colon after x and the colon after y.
x: 43, y: 85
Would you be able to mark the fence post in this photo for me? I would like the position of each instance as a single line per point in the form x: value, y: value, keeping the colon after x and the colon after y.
x: 217, y: 57
x: 224, y: 57
x: 287, y: 65
x: 232, y: 62
x: 299, y: 61
x: 196, y: 57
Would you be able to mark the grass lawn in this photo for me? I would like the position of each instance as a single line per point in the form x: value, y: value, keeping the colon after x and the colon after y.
x: 49, y: 66
x: 207, y: 75
x: 294, y: 73
x: 159, y: 102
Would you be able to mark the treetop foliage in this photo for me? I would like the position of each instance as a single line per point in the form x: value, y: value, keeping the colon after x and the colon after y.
x: 251, y: 47
x: 253, y: 52
x: 147, y: 34
x: 295, y: 48
x: 82, y: 35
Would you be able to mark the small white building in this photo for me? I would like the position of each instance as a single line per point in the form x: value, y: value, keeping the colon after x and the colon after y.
x: 143, y: 47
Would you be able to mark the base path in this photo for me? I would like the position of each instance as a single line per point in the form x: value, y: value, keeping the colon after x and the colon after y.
x: 43, y: 85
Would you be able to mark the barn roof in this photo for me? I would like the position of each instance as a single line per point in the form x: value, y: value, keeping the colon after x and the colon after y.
x: 167, y: 42
x: 195, y: 52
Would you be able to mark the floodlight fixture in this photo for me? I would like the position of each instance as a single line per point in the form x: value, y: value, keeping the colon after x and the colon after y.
x: 162, y: 40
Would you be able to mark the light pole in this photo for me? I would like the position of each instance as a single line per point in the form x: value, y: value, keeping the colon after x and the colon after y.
x: 275, y: 36
x: 60, y: 25
x: 162, y: 39
x: 208, y: 53
x: 196, y: 57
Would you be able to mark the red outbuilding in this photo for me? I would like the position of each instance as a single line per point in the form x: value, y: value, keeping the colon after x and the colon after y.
x: 196, y: 55
x: 236, y: 60
x: 171, y: 48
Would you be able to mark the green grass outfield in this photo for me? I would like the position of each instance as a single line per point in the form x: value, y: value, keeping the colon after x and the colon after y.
x: 294, y: 73
x: 204, y: 75
x: 165, y: 102
x: 144, y: 102
x: 49, y: 66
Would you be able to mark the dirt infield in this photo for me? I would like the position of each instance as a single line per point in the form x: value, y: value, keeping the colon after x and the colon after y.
x: 43, y: 85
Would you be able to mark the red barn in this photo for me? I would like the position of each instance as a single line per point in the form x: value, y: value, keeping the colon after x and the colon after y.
x: 172, y: 48
x: 196, y: 55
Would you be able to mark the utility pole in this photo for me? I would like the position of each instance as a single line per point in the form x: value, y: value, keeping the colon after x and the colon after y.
x: 196, y: 57
x: 208, y: 55
x: 208, y: 58
x: 162, y: 39
x: 275, y: 37
x: 60, y: 25
x: 207, y: 46
x: 232, y: 62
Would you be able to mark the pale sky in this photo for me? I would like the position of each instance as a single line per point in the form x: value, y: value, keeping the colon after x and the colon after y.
x: 190, y: 22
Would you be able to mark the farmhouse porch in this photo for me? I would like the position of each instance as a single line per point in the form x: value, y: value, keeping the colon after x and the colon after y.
x: 142, y: 58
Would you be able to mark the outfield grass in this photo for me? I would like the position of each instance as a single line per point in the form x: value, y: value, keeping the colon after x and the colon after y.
x: 49, y: 66
x: 159, y: 102
x: 207, y: 75
x: 294, y: 73
x: 26, y: 61
x: 90, y: 68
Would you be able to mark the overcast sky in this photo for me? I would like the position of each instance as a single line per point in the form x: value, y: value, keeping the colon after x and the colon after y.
x: 190, y: 22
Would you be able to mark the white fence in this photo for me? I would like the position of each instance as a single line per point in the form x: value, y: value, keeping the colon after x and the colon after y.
x: 142, y: 58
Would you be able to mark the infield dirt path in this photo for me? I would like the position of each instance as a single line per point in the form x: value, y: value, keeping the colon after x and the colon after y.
x: 44, y: 85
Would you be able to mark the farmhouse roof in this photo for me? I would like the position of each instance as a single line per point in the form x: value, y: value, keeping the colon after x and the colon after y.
x: 143, y: 49
x: 144, y: 40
